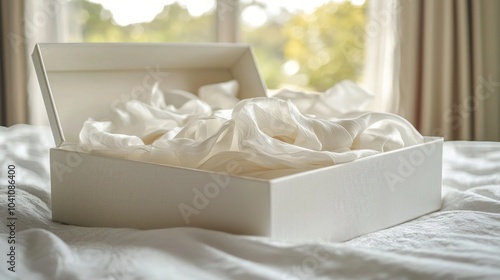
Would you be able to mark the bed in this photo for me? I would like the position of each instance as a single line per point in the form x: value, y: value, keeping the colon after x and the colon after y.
x: 462, y: 240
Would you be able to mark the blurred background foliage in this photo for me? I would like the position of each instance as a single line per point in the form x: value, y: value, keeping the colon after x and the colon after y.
x: 310, y: 51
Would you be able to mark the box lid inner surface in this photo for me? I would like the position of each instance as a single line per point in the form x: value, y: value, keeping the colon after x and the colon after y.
x: 81, y: 81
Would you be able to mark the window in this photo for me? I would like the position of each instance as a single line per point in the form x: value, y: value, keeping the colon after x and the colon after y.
x: 306, y: 44
x: 145, y: 21
x: 299, y: 44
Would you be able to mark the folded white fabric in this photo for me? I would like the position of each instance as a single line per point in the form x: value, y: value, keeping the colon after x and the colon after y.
x: 264, y: 137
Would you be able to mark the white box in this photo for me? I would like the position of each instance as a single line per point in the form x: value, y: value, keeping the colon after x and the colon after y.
x: 331, y: 203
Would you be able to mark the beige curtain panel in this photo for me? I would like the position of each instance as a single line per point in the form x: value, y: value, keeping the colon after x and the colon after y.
x: 24, y: 23
x: 13, y: 64
x: 450, y: 78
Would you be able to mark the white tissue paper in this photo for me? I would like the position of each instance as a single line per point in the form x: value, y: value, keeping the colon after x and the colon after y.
x: 267, y: 137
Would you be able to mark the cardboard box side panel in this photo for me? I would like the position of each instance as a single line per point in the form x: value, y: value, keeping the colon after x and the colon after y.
x: 80, y: 95
x: 47, y: 97
x: 127, y: 56
x: 91, y: 190
x: 84, y: 80
x: 349, y: 200
x: 251, y: 84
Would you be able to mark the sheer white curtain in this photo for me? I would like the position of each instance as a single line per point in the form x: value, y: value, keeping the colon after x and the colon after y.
x: 381, y: 73
x: 44, y: 21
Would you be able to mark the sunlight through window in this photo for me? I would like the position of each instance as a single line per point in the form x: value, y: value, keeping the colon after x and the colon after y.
x: 303, y: 44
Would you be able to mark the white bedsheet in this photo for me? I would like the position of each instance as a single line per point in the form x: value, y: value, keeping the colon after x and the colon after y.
x: 460, y: 241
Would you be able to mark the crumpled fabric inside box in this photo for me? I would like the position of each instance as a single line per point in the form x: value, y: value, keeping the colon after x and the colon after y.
x: 264, y: 137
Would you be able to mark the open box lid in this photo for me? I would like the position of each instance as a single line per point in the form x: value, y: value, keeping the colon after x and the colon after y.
x: 83, y: 80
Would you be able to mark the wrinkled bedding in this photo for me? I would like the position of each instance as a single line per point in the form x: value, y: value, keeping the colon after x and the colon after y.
x: 462, y: 240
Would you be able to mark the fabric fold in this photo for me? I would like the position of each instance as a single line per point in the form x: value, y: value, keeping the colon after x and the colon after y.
x: 263, y: 137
